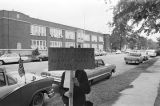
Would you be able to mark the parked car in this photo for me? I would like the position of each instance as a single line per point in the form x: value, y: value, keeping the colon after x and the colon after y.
x: 41, y: 57
x: 96, y: 53
x: 101, y: 70
x: 28, y: 90
x: 103, y: 53
x: 118, y: 52
x: 127, y: 51
x: 151, y: 53
x: 134, y: 58
x: 11, y: 58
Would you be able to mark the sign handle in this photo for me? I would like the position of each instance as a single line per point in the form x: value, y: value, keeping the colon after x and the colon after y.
x: 71, y: 89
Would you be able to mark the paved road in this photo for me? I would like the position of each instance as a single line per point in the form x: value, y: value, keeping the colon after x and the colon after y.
x: 118, y: 60
x: 38, y: 67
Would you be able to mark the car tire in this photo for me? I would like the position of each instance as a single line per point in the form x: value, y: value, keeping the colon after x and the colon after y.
x: 1, y: 62
x: 109, y: 75
x: 38, y: 99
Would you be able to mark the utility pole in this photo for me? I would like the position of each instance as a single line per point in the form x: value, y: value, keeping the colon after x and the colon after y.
x: 8, y: 33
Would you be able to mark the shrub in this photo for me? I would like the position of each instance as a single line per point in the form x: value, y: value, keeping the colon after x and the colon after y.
x: 35, y: 52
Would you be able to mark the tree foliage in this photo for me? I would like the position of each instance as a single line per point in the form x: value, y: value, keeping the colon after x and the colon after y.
x: 35, y: 52
x: 145, y: 11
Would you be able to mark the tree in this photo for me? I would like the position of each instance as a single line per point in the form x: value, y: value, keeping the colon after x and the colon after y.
x: 35, y: 52
x: 152, y: 44
x: 144, y: 12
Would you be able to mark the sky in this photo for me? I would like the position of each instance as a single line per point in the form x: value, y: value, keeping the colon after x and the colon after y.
x: 87, y: 14
x: 91, y: 15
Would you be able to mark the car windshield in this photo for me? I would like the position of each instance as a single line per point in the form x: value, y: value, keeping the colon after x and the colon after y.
x: 5, y: 55
x: 135, y: 54
x: 29, y: 77
x: 2, y: 80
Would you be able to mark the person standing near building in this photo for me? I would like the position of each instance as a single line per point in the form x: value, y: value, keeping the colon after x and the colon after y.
x: 81, y: 87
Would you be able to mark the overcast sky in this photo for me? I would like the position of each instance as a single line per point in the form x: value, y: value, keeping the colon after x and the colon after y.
x: 86, y: 14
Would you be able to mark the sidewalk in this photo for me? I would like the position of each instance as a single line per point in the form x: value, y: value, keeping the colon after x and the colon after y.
x: 145, y: 89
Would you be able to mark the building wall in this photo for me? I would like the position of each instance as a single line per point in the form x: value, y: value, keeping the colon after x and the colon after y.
x: 15, y: 32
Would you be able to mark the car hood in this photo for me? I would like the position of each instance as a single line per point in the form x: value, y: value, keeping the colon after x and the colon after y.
x: 132, y: 57
x: 6, y: 90
x: 59, y: 73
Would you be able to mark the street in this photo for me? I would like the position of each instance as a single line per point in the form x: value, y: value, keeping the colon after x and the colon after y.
x: 38, y: 67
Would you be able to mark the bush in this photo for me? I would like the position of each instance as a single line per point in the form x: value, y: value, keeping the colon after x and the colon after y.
x: 35, y: 52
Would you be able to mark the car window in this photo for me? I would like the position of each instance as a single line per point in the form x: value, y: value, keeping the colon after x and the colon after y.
x: 2, y: 80
x: 13, y: 55
x: 11, y: 80
x: 135, y: 54
x: 5, y: 55
x: 99, y: 63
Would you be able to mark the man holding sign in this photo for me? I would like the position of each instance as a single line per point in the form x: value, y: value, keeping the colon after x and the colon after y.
x: 81, y: 87
x: 74, y: 83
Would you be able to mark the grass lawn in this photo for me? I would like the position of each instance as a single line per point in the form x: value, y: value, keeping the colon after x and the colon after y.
x: 108, y: 91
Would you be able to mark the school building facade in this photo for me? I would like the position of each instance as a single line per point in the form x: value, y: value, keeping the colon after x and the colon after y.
x: 22, y: 33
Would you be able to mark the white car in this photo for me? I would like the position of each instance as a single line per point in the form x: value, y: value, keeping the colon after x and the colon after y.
x: 151, y: 53
x: 118, y: 52
x: 11, y: 58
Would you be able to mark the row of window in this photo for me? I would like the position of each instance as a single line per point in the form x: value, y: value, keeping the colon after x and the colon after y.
x: 55, y: 44
x: 41, y: 44
x: 38, y: 30
x: 57, y: 33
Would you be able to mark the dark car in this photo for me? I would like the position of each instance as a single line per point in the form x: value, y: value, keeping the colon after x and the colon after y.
x: 41, y: 57
x: 101, y: 70
x: 28, y: 90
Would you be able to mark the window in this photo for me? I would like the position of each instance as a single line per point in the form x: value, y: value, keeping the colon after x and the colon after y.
x: 2, y: 80
x: 11, y: 81
x: 55, y: 44
x: 40, y: 44
x: 87, y: 37
x: 80, y: 37
x: 94, y: 46
x: 70, y: 35
x: 86, y: 45
x: 38, y: 30
x: 100, y: 47
x: 69, y: 44
x: 55, y: 32
x: 94, y: 38
x: 101, y: 39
